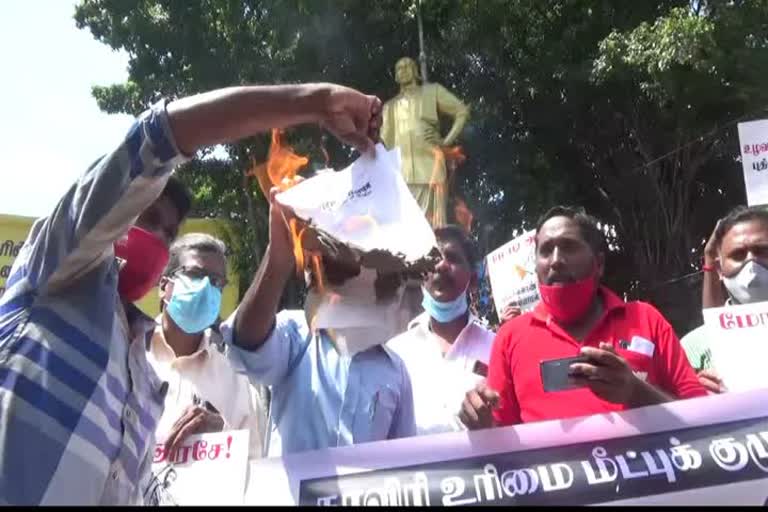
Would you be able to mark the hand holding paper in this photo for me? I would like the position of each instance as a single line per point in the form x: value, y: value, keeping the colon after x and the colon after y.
x: 368, y: 208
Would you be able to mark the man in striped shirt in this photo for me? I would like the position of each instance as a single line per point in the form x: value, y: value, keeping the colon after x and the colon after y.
x: 79, y: 403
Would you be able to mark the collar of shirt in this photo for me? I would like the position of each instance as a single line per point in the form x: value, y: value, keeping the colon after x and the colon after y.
x: 163, y: 352
x: 611, y: 303
x: 421, y: 323
x: 136, y: 324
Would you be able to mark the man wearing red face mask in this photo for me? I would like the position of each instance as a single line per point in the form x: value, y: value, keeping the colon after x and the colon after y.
x: 79, y: 404
x: 630, y: 354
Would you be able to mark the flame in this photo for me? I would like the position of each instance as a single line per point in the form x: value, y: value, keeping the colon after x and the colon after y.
x: 463, y: 215
x: 283, y: 163
x: 437, y: 164
x: 317, y: 267
x: 454, y: 155
x: 280, y: 171
x: 520, y: 271
x: 298, y: 250
x: 281, y: 166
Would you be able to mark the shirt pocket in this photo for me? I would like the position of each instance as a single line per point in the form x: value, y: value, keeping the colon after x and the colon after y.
x: 374, y: 414
x: 641, y: 364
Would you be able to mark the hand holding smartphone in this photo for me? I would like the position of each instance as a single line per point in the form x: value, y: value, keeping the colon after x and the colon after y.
x: 556, y: 374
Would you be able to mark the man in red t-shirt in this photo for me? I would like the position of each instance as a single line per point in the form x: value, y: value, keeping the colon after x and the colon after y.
x: 630, y: 355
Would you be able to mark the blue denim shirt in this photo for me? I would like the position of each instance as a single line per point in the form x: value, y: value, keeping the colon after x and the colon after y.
x: 320, y: 398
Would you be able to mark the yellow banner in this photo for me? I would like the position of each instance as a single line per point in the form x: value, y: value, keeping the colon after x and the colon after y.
x: 14, y: 230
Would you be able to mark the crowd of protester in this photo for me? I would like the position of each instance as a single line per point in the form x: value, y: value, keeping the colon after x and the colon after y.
x: 88, y: 382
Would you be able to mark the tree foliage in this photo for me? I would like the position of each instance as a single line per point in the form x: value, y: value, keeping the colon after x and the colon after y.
x: 625, y: 108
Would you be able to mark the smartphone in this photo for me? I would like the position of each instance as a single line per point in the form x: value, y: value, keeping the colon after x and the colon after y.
x: 555, y: 373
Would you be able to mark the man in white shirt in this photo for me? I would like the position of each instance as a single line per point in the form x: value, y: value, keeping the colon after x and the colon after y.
x: 205, y: 394
x: 446, y: 348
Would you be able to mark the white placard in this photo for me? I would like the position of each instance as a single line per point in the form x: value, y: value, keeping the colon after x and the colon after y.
x: 512, y: 272
x: 208, y: 469
x: 753, y: 139
x: 739, y: 343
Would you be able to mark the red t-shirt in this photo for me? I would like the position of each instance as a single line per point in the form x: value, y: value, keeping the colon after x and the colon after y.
x: 636, y: 330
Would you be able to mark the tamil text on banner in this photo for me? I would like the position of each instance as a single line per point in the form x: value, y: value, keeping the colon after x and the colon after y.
x: 753, y: 139
x: 208, y: 469
x: 739, y: 343
x: 14, y: 230
x: 705, y: 451
x: 511, y: 270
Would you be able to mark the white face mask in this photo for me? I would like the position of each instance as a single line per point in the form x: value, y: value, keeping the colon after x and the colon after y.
x: 352, y: 316
x: 750, y: 284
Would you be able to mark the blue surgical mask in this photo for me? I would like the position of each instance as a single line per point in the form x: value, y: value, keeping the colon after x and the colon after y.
x: 195, y: 304
x: 444, y: 311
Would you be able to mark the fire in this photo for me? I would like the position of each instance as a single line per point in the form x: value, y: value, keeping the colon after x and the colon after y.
x: 463, y: 215
x: 280, y: 170
x: 454, y: 155
x: 281, y: 166
x: 317, y: 267
x: 437, y: 164
x: 298, y: 250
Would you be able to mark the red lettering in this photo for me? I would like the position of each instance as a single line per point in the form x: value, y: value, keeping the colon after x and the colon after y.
x: 181, y: 455
x: 214, y: 452
x: 160, y: 453
x: 729, y: 320
x: 726, y: 321
x: 198, y: 451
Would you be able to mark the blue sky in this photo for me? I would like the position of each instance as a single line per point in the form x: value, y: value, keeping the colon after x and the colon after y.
x: 51, y: 127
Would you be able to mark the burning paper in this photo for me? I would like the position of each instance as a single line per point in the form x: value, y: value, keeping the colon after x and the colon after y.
x: 368, y: 209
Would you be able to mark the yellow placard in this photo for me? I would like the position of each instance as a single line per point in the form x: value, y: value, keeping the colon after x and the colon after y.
x: 14, y: 230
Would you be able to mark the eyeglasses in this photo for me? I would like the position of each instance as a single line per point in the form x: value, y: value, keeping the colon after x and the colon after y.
x: 217, y: 280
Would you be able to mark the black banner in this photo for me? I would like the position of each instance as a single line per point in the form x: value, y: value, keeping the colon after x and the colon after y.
x: 577, y: 474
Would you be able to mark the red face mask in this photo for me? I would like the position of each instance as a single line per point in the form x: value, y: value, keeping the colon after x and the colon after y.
x: 567, y: 302
x: 145, y: 258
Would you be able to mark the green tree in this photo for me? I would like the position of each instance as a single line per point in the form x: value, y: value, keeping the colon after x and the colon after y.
x: 574, y: 101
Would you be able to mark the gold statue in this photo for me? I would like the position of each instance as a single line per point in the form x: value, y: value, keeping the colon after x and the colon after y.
x: 410, y: 122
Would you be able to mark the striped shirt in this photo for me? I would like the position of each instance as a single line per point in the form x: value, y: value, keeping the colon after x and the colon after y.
x: 79, y: 402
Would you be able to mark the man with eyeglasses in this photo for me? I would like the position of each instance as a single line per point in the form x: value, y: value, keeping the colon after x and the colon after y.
x: 204, y: 392
x: 79, y: 403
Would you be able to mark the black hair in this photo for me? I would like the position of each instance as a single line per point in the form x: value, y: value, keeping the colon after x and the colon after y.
x: 453, y: 233
x: 201, y: 242
x: 737, y: 216
x: 588, y: 226
x: 178, y: 193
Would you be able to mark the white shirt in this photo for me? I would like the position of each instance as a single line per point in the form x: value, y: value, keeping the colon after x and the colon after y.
x: 206, y: 375
x: 441, y: 381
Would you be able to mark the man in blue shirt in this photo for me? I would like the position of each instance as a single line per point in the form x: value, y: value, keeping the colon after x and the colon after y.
x: 79, y: 404
x: 330, y: 387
